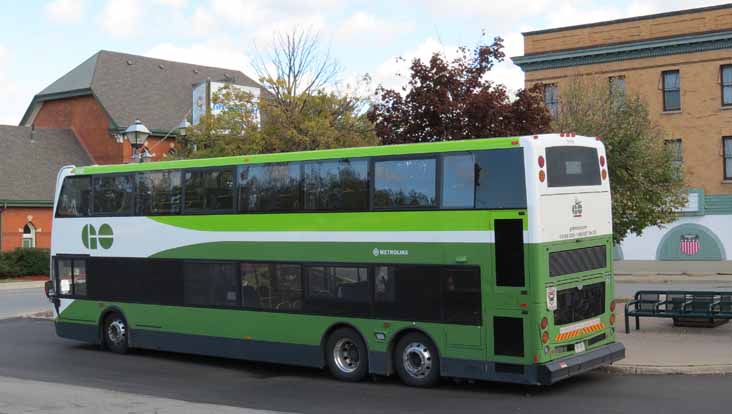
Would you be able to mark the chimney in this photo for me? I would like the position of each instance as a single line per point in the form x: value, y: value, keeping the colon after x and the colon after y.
x: 33, y: 134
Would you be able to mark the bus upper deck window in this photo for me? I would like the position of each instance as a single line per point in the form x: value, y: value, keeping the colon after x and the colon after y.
x: 75, y: 197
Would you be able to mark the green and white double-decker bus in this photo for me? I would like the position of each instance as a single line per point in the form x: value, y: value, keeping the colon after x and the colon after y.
x: 485, y: 259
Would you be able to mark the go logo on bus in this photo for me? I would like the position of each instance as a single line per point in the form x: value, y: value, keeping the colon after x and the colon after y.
x: 93, y: 238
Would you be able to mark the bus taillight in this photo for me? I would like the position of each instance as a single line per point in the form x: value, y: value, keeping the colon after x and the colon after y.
x: 545, y: 337
x: 541, y: 161
x: 602, y: 160
x: 544, y: 323
x: 604, y: 174
x: 612, y: 319
x: 542, y: 176
x: 612, y: 306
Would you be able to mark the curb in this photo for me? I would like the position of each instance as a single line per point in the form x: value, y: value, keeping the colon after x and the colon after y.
x: 37, y: 315
x: 722, y: 369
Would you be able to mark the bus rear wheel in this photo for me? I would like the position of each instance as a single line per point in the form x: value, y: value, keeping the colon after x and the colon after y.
x: 416, y: 360
x: 115, y: 333
x: 347, y: 355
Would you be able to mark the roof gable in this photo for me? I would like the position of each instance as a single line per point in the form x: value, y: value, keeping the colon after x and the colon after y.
x: 78, y: 78
x: 129, y: 87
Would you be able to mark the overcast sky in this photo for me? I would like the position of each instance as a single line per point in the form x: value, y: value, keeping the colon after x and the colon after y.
x: 42, y: 40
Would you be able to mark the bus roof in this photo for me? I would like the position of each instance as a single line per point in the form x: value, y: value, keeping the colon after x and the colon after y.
x: 375, y: 151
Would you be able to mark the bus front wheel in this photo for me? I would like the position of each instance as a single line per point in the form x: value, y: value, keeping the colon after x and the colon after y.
x: 347, y: 355
x: 116, y: 333
x: 416, y: 360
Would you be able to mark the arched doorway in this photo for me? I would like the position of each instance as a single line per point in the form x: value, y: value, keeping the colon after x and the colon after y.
x: 690, y: 241
x: 29, y: 236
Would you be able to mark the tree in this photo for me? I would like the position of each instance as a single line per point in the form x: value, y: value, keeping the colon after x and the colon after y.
x: 295, y: 66
x: 449, y: 100
x: 233, y: 131
x: 299, y: 112
x: 647, y: 189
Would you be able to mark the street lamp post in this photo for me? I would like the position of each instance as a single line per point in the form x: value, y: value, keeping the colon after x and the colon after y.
x: 137, y: 133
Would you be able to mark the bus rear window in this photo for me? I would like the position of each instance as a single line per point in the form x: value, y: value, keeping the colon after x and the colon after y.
x: 570, y: 166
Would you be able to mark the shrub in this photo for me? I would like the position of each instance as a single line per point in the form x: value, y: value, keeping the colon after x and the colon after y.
x: 24, y: 262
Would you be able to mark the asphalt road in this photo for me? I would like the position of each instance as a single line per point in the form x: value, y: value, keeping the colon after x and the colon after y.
x: 29, y: 350
x: 15, y: 302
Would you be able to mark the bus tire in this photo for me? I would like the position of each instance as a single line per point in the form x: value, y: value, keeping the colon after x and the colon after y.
x: 116, y: 333
x: 416, y: 360
x: 347, y: 355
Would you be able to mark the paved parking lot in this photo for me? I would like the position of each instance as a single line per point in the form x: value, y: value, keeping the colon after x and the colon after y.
x: 29, y: 350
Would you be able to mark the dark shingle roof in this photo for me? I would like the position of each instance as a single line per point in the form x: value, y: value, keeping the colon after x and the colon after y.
x: 156, y: 91
x: 28, y: 167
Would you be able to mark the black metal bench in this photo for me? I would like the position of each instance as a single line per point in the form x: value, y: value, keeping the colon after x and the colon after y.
x: 678, y: 304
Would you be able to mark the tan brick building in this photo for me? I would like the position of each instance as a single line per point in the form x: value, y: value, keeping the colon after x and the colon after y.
x: 681, y: 65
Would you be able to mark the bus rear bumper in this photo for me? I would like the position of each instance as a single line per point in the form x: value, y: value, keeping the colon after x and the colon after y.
x: 564, y: 368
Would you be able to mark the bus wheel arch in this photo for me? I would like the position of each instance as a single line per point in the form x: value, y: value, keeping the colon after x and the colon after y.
x: 348, y: 364
x: 104, y: 315
x: 394, y: 341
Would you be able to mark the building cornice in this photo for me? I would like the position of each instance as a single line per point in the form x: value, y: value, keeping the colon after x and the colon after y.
x: 626, y: 51
x: 630, y: 19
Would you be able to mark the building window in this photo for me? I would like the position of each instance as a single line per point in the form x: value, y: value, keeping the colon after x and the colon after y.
x: 617, y: 85
x: 551, y: 98
x: 671, y: 90
x: 726, y: 81
x: 29, y: 236
x: 727, y: 151
x: 677, y: 153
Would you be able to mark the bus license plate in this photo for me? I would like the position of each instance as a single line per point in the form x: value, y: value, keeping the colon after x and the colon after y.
x: 579, y: 347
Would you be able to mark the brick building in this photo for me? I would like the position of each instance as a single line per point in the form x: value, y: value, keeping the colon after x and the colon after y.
x: 681, y: 65
x: 102, y: 96
x: 78, y: 119
x: 29, y: 161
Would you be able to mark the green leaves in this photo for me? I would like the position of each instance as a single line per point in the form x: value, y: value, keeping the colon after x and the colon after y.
x: 308, y: 121
x: 450, y: 100
x: 647, y: 190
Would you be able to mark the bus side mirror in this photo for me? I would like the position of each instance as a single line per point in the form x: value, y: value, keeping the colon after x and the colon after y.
x: 50, y: 291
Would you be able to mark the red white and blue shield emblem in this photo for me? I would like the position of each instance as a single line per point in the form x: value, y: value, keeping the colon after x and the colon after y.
x: 689, y: 244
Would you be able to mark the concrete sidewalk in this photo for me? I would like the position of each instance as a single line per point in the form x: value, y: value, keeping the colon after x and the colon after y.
x: 672, y: 268
x: 660, y: 348
x: 22, y: 285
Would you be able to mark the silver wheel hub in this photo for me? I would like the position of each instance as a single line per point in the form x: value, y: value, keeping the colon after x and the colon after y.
x: 117, y: 332
x: 345, y: 355
x: 417, y: 360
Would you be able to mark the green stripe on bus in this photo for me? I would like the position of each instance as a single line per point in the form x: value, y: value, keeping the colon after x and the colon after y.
x: 412, y: 253
x: 465, y: 220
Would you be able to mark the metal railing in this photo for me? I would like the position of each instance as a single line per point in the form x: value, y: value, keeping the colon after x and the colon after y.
x: 707, y: 305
